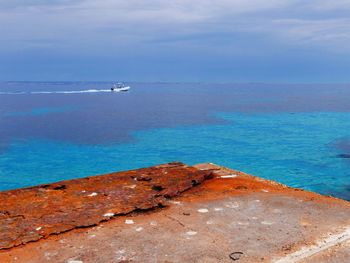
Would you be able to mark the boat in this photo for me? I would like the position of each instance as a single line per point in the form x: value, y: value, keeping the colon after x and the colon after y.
x: 120, y: 87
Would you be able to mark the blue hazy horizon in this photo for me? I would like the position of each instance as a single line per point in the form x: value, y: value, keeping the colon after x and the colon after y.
x: 189, y: 41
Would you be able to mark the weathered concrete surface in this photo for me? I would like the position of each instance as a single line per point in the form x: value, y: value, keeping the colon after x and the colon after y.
x: 335, y: 254
x: 251, y: 219
x: 33, y: 213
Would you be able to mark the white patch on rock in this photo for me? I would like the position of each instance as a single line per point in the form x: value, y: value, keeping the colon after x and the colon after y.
x: 218, y: 209
x: 139, y: 229
x: 175, y: 202
x: 203, y: 210
x: 269, y: 223
x: 38, y: 228
x: 232, y: 205
x: 191, y: 233
x: 130, y: 186
x: 153, y: 223
x: 129, y: 222
x: 108, y: 214
x: 92, y: 194
x: 122, y: 258
x: 229, y: 176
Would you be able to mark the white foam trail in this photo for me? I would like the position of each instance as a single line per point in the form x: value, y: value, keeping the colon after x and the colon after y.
x: 12, y: 93
x: 71, y: 91
x: 60, y: 92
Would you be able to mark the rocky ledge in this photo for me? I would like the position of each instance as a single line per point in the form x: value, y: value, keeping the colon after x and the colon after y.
x: 172, y: 213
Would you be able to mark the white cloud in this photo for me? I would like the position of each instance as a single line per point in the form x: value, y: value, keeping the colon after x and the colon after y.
x: 315, y: 30
x: 95, y: 23
x: 326, y: 5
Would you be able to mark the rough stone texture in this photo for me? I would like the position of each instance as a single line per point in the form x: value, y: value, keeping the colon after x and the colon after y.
x: 33, y: 213
x: 339, y: 253
x: 252, y: 219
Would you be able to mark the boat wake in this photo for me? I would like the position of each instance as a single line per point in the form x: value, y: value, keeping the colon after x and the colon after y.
x: 71, y: 91
x: 59, y: 92
x: 12, y: 93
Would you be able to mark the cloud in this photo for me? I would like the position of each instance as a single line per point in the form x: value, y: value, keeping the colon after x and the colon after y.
x: 30, y: 3
x: 87, y: 25
x: 327, y: 32
x: 324, y: 5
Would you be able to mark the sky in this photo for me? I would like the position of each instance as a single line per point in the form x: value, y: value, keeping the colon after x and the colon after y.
x: 289, y: 41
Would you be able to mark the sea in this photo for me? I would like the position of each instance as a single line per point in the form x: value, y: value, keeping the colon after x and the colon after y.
x: 296, y: 134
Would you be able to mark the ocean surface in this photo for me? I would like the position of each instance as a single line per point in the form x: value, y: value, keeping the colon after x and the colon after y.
x: 295, y: 134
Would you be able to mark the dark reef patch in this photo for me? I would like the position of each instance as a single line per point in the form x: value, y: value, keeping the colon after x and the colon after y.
x: 343, y: 156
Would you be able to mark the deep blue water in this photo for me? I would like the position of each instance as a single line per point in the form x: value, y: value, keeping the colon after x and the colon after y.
x: 296, y: 134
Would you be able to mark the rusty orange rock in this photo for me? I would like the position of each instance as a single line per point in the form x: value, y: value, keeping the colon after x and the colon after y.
x: 30, y: 214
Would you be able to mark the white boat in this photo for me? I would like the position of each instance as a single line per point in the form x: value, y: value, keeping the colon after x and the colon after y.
x: 120, y: 87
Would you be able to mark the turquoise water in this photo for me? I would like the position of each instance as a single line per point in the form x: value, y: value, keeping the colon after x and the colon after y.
x: 298, y: 135
x: 295, y: 149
